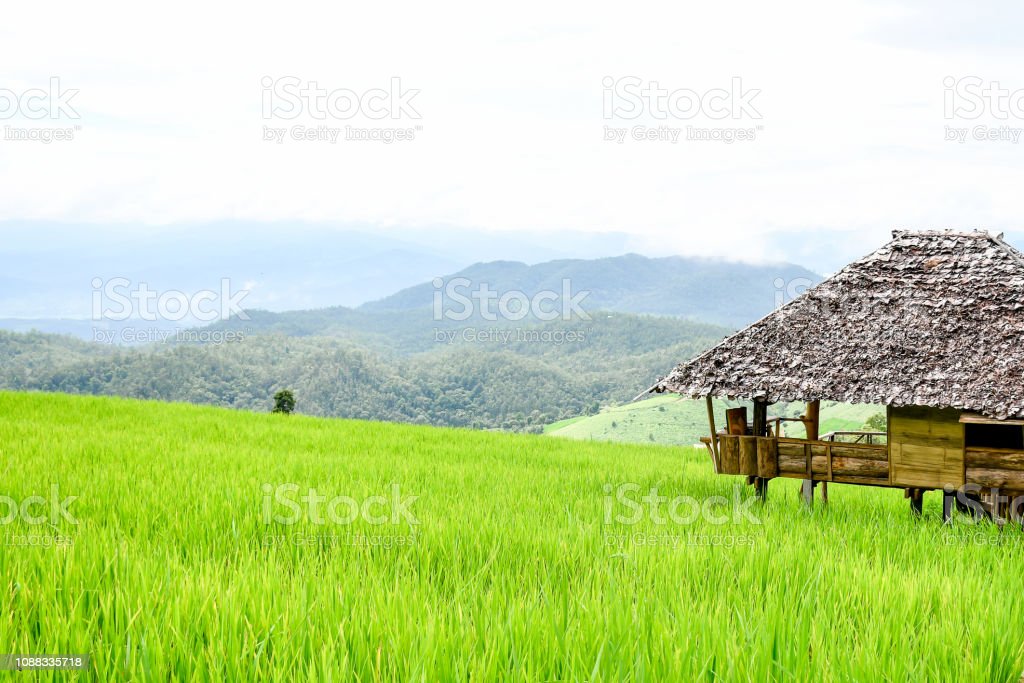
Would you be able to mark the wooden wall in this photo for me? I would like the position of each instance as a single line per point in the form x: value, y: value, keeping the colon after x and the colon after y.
x: 926, y: 447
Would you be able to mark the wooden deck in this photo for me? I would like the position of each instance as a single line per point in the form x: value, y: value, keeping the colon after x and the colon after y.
x: 768, y: 457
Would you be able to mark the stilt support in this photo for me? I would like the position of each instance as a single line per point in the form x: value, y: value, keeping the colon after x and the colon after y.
x: 916, y: 501
x: 807, y: 493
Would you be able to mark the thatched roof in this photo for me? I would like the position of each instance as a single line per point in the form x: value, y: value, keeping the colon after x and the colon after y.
x: 932, y: 318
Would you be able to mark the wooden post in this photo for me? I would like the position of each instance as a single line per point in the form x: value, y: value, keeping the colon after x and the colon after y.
x: 807, y: 493
x: 948, y: 500
x: 811, y: 425
x: 811, y: 412
x: 767, y: 465
x: 916, y: 501
x: 714, y: 432
x: 761, y: 429
x: 760, y: 417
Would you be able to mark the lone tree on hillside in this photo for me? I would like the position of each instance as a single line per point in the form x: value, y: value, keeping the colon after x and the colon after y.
x: 284, y: 402
x: 876, y: 423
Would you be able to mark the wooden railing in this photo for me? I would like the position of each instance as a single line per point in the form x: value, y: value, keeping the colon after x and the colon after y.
x: 844, y: 462
x: 861, y: 436
x: 775, y: 424
x: 767, y: 457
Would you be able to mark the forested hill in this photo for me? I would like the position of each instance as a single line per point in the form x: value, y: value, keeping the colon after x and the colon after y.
x: 540, y: 374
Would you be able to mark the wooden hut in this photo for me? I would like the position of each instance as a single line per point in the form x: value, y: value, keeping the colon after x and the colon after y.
x: 931, y: 326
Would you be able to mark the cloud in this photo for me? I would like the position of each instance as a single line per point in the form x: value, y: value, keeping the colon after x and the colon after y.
x: 513, y: 118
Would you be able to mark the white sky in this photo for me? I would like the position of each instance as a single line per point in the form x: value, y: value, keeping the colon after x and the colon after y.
x: 510, y: 100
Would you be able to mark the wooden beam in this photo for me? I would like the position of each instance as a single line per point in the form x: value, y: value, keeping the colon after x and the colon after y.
x: 714, y: 432
x: 975, y: 418
x: 795, y: 447
x: 844, y: 479
x: 841, y: 466
x: 995, y: 459
x: 812, y: 413
x: 990, y: 478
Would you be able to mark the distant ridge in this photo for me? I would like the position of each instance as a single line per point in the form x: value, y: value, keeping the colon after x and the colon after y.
x: 719, y: 292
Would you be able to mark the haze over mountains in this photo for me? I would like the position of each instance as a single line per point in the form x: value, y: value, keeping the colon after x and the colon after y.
x: 48, y: 268
x: 719, y: 292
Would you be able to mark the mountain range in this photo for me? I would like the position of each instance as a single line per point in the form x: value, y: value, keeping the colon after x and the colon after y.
x: 719, y: 292
x: 398, y: 359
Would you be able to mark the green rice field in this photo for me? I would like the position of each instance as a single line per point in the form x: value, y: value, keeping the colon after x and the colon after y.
x: 170, y: 542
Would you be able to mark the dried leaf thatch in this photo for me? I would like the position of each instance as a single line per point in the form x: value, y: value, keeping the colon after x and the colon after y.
x: 932, y: 318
